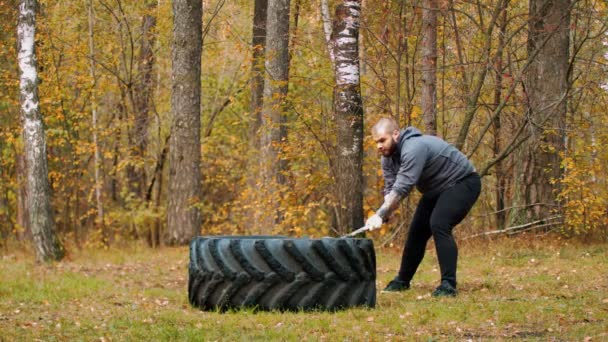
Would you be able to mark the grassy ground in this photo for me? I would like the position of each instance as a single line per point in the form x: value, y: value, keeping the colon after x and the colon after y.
x: 511, y: 289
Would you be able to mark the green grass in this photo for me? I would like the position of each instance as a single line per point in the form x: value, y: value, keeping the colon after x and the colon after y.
x: 535, y: 290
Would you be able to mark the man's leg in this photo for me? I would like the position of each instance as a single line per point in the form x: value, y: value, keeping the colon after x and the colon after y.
x: 419, y: 234
x: 452, y: 207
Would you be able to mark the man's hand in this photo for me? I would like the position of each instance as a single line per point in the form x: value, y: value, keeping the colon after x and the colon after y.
x: 374, y: 222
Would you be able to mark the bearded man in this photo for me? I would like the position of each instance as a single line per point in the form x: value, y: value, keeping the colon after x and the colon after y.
x: 449, y: 185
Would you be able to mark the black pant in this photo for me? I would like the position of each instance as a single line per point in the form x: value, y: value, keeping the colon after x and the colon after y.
x: 436, y: 216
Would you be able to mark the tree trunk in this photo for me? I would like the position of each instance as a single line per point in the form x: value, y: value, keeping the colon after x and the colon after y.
x: 97, y: 150
x: 500, y: 174
x: 22, y: 208
x: 327, y: 29
x: 144, y: 90
x: 46, y: 243
x: 183, y: 215
x: 258, y: 44
x: 547, y: 87
x: 428, y: 97
x: 273, y: 110
x: 348, y: 109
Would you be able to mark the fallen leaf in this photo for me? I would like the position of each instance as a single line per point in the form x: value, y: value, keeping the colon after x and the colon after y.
x: 370, y: 319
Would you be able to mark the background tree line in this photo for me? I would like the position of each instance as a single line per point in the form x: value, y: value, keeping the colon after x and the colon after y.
x: 269, y: 132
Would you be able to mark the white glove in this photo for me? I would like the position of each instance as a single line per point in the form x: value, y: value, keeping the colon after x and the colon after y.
x: 374, y: 222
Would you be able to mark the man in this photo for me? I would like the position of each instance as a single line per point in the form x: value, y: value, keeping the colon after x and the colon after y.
x: 449, y: 184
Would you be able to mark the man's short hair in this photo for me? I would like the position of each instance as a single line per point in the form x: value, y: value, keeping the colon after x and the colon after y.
x: 385, y: 125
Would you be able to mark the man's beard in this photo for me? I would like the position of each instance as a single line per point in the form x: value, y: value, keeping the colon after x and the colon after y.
x: 389, y: 151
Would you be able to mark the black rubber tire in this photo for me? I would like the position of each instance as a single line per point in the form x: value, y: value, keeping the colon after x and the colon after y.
x: 279, y: 273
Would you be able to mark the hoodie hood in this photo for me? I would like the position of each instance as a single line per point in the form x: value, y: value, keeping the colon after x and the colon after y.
x: 404, y: 135
x: 407, y: 133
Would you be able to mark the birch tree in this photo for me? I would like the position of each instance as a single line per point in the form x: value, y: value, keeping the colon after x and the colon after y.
x: 41, y: 220
x: 183, y: 215
x: 348, y: 109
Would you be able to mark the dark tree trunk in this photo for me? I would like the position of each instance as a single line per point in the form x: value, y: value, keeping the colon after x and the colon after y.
x: 258, y: 45
x: 428, y: 97
x: 143, y: 101
x: 22, y: 212
x: 497, y: 125
x: 547, y: 87
x: 348, y: 109
x: 183, y: 215
x: 41, y: 221
x: 274, y: 108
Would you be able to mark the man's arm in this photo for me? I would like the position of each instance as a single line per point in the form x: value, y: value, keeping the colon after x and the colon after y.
x: 412, y: 163
x: 388, y: 174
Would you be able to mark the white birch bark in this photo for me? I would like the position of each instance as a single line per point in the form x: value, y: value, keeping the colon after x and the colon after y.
x: 346, y: 43
x: 348, y: 109
x: 41, y: 219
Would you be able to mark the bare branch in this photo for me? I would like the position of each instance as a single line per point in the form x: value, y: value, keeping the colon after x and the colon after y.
x: 533, y: 225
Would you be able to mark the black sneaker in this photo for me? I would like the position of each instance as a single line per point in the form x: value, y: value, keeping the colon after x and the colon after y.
x: 445, y: 290
x: 396, y: 285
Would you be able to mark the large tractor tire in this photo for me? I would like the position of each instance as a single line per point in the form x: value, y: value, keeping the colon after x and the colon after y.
x: 280, y: 273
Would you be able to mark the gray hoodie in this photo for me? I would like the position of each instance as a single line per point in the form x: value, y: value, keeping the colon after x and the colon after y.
x: 426, y: 161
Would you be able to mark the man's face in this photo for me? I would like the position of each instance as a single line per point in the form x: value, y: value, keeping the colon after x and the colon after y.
x: 386, y: 142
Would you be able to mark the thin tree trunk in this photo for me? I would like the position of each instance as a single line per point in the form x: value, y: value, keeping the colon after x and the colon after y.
x: 183, y: 215
x: 97, y: 149
x: 258, y: 44
x: 22, y: 208
x: 428, y: 98
x: 348, y: 109
x: 273, y: 112
x: 500, y: 174
x: 144, y: 89
x: 153, y: 236
x: 143, y: 96
x: 327, y: 29
x: 547, y: 87
x: 46, y: 243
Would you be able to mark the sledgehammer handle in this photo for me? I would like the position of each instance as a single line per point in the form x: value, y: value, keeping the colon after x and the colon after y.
x: 358, y: 231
